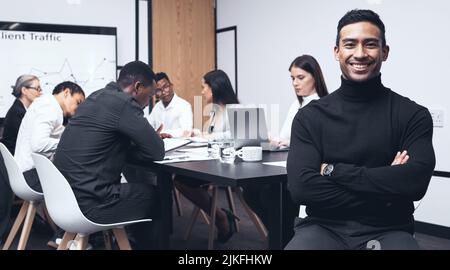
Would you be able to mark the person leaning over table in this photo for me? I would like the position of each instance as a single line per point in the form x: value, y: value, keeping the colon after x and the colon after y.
x: 217, y: 92
x: 309, y: 84
x: 109, y: 131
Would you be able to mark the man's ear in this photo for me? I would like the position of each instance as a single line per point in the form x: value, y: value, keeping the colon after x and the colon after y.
x: 385, y: 52
x: 336, y: 53
x: 136, y: 86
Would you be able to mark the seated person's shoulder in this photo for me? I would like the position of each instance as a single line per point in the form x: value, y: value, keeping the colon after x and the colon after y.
x: 307, y: 112
x: 405, y: 101
x: 313, y: 110
x: 184, y: 102
x: 112, y: 100
x: 325, y: 101
x: 406, y: 106
x: 315, y: 105
x: 112, y: 95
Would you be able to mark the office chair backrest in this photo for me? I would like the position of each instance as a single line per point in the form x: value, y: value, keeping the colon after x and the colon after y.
x: 17, y: 181
x: 61, y: 202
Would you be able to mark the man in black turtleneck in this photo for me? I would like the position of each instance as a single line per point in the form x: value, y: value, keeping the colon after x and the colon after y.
x: 360, y: 156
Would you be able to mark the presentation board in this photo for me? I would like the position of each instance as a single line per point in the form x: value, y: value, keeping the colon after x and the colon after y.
x: 86, y: 55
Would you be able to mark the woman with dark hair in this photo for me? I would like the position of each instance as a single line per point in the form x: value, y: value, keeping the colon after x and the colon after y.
x: 217, y: 92
x: 308, y: 83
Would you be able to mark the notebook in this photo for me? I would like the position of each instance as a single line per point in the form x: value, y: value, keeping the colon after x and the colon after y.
x: 174, y: 143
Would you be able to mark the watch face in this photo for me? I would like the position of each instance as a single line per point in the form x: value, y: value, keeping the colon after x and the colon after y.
x: 328, y: 169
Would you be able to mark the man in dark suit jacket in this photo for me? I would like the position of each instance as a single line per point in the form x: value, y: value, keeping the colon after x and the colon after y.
x: 107, y: 132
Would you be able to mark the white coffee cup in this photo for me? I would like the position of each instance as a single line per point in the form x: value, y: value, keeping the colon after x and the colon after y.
x: 250, y: 153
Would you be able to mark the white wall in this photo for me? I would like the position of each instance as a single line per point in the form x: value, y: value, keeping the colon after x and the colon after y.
x: 435, y: 206
x: 143, y: 31
x: 226, y: 54
x: 272, y: 33
x: 111, y: 13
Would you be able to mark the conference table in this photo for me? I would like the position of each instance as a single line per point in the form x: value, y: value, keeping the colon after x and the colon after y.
x: 222, y: 174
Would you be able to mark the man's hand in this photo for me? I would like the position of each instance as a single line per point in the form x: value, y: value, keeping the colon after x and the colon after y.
x: 400, y: 158
x: 159, y: 129
x: 187, y: 133
x: 163, y: 135
x: 322, y: 167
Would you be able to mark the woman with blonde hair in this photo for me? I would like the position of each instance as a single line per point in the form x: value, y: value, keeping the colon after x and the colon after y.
x: 26, y: 89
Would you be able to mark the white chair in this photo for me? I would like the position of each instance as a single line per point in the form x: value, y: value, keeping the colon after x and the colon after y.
x: 31, y: 200
x: 65, y: 212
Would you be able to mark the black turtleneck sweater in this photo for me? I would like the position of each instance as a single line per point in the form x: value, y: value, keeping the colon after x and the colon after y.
x: 359, y: 128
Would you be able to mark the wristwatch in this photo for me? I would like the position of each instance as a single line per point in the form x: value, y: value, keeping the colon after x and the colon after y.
x: 328, y: 170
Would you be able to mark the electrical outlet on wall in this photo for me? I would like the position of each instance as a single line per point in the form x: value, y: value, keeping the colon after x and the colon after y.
x: 438, y: 117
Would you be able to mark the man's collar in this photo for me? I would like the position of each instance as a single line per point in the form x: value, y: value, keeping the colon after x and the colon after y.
x: 172, y: 102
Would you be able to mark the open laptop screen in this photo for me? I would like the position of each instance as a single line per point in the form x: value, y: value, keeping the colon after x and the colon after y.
x: 247, y: 125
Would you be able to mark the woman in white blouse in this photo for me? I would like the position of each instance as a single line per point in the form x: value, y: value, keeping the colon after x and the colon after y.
x: 308, y: 83
x: 217, y: 92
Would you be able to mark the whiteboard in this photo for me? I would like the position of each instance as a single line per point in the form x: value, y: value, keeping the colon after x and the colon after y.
x: 56, y: 53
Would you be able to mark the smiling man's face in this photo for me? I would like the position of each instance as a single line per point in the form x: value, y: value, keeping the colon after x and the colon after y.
x: 360, y: 52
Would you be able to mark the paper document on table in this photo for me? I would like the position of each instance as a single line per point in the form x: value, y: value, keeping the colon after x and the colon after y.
x: 183, y: 158
x: 203, y: 151
x: 198, y: 144
x: 276, y: 163
x: 174, y: 143
x: 186, y: 154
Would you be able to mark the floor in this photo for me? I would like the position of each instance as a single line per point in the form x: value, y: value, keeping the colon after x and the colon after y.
x: 247, y: 238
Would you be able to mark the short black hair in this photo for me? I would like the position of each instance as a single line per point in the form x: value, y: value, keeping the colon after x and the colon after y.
x: 73, y: 88
x: 161, y: 75
x: 136, y: 71
x: 361, y: 15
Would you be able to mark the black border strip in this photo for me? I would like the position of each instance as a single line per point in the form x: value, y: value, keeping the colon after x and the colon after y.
x: 227, y: 29
x: 57, y: 28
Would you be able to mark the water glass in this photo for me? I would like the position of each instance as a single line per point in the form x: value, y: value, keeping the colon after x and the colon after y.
x: 213, y: 148
x: 227, y: 151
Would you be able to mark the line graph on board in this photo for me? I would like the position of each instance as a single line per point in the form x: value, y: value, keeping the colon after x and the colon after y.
x: 89, y: 79
x: 86, y: 56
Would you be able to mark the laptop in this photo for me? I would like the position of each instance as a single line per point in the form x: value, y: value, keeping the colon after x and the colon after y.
x: 248, y: 127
